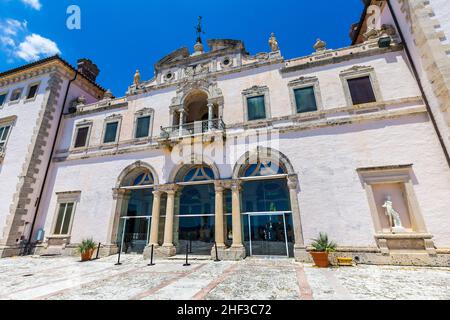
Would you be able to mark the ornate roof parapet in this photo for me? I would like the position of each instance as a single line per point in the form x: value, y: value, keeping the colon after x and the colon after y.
x: 339, y: 55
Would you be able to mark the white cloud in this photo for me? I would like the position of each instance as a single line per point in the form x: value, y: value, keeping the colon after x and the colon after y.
x: 11, y: 26
x: 17, y: 42
x: 35, y: 47
x: 35, y: 4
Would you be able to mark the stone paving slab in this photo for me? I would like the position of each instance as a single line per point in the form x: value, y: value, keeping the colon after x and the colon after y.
x: 65, y: 278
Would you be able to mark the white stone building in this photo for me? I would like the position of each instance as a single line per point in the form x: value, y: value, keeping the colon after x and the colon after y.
x: 253, y: 152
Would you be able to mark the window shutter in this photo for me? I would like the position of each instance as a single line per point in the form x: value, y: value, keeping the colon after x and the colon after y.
x: 256, y: 108
x: 361, y: 90
x: 81, y: 137
x: 143, y: 127
x: 111, y: 132
x: 305, y: 100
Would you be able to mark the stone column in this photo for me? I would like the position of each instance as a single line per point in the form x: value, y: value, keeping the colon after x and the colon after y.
x: 168, y: 249
x: 237, y: 249
x: 299, y: 246
x: 210, y: 116
x: 121, y: 198
x: 219, y: 217
x: 181, y: 123
x: 155, y: 218
x: 154, y: 229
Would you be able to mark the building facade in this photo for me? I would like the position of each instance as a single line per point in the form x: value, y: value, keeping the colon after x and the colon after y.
x: 254, y: 155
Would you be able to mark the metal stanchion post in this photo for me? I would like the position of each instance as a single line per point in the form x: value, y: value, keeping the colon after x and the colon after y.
x: 118, y: 258
x: 217, y: 253
x: 151, y: 257
x: 98, y: 250
x: 187, y: 264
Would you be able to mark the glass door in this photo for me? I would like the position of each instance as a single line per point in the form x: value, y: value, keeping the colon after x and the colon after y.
x: 268, y: 235
x: 135, y: 234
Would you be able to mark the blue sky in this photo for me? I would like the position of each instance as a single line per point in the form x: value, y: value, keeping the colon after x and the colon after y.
x: 123, y: 35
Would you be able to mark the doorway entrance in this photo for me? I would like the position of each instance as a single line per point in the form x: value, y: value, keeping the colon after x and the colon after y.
x: 267, y: 217
x: 269, y: 234
x: 195, y: 217
x: 135, y: 234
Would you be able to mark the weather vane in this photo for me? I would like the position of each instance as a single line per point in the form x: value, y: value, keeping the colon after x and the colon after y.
x: 199, y: 29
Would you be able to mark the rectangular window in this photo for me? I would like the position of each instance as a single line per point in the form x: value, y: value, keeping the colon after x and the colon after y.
x: 15, y: 95
x: 65, y: 213
x: 111, y: 132
x: 143, y: 127
x: 361, y: 90
x: 2, y: 98
x: 4, y: 132
x: 305, y: 99
x: 32, y: 91
x: 81, y: 139
x: 256, y: 108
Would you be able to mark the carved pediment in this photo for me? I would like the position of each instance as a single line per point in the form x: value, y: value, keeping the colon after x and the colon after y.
x: 356, y: 69
x: 177, y: 55
x: 219, y: 44
x: 303, y: 80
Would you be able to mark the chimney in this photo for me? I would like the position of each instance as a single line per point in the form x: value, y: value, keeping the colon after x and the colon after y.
x: 88, y: 69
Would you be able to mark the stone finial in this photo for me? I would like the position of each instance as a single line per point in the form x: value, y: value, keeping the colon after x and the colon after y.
x: 320, y: 45
x: 108, y: 95
x: 137, y: 78
x: 273, y: 43
x: 81, y: 101
x: 198, y: 48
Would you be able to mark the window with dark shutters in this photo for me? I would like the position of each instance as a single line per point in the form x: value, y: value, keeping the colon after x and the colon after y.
x: 361, y: 90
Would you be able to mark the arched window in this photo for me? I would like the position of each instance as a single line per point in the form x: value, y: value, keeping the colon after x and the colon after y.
x: 199, y: 173
x: 263, y: 169
x: 144, y: 179
x: 138, y: 177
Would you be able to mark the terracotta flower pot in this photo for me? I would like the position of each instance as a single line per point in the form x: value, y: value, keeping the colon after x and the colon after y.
x: 87, y: 256
x: 320, y: 259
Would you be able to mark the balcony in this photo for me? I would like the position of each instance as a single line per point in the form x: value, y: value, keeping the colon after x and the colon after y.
x: 192, y: 129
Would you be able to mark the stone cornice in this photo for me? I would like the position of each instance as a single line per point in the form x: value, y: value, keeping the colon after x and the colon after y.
x: 338, y: 56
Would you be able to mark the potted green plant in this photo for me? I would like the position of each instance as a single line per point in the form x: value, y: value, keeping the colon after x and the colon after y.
x: 322, y: 247
x: 86, y: 248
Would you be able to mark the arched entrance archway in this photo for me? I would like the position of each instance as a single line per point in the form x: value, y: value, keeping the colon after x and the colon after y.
x: 270, y: 213
x: 136, y: 190
x: 194, y: 221
x: 267, y: 213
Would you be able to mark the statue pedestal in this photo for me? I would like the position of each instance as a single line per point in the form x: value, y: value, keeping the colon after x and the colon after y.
x: 398, y: 230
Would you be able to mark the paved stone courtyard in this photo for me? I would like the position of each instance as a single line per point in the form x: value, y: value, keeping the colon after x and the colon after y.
x: 67, y: 278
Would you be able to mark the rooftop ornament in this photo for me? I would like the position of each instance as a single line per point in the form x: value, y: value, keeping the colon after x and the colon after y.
x: 137, y: 78
x: 108, y: 95
x: 198, y: 48
x: 320, y: 46
x: 273, y: 43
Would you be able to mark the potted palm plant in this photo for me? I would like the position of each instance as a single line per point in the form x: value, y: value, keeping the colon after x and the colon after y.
x: 322, y: 247
x: 86, y: 248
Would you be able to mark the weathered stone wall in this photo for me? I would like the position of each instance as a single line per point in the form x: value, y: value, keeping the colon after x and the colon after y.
x: 425, y: 25
x: 19, y: 143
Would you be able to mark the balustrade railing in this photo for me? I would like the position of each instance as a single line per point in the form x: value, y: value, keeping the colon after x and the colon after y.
x: 190, y: 129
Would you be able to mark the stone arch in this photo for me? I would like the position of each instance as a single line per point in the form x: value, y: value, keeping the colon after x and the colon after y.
x: 265, y: 154
x: 193, y: 160
x: 125, y: 174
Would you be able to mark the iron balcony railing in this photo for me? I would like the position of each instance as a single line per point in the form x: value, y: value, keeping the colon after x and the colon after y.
x: 194, y: 128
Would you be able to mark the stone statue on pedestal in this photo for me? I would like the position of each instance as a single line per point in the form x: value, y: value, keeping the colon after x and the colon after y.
x: 394, y: 217
x: 137, y: 78
x: 273, y: 43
